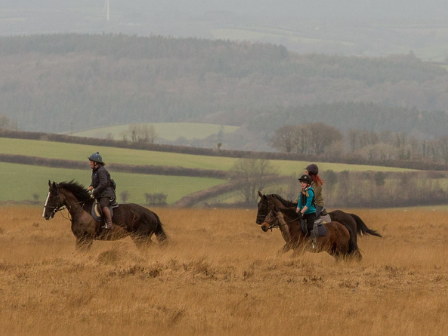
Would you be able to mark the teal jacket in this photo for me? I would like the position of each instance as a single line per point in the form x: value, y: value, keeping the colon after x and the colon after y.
x: 307, y: 200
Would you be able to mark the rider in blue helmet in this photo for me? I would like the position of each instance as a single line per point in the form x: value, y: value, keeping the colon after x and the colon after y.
x: 102, y: 187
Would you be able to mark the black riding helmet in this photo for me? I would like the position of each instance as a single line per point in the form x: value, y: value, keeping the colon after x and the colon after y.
x: 305, y: 178
x: 312, y: 169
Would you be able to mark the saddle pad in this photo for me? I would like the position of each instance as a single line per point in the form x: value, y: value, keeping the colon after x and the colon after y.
x: 322, y: 230
x: 97, y: 213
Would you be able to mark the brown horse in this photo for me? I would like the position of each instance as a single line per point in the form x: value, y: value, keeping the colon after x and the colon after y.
x: 336, y: 242
x: 129, y: 219
x: 352, y: 222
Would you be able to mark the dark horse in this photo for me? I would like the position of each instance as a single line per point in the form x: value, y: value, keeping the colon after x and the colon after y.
x: 129, y: 219
x: 336, y: 242
x: 352, y: 222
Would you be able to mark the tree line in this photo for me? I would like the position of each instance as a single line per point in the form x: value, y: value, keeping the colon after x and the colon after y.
x: 379, y: 189
x: 327, y: 141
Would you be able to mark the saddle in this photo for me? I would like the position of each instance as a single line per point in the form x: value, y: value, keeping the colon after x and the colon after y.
x: 97, y: 212
x: 324, y: 216
x: 319, y: 228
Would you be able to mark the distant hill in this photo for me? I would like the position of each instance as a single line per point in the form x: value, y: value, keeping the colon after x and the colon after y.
x: 67, y: 83
x: 343, y: 27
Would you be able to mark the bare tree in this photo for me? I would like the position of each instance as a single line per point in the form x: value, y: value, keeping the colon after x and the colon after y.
x: 252, y: 173
x: 303, y: 139
x: 141, y: 133
x: 442, y: 145
x: 284, y: 138
x: 7, y: 123
x: 353, y: 140
x: 323, y: 136
x: 151, y: 135
x: 380, y: 151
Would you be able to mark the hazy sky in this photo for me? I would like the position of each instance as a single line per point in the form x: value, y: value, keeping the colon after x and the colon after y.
x: 299, y: 8
x: 345, y: 27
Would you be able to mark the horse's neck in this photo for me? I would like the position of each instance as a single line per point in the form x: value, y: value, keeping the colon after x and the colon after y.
x: 280, y: 202
x: 287, y: 220
x: 72, y: 203
x: 284, y: 228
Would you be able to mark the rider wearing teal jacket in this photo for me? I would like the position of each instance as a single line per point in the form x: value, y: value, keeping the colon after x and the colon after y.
x: 306, y: 205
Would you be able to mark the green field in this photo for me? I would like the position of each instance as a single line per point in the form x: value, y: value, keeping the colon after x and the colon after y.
x: 167, y: 131
x: 58, y: 150
x: 21, y: 182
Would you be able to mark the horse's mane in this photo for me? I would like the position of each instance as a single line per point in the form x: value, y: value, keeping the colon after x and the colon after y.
x: 290, y: 212
x: 77, y: 189
x: 286, y: 203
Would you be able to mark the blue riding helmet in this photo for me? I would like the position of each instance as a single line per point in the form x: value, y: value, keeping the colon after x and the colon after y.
x: 96, y: 157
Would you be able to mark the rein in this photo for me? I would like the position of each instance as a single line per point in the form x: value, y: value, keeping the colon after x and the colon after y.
x: 276, y: 225
x: 62, y: 207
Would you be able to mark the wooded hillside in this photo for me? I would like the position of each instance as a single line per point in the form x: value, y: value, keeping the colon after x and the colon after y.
x: 59, y: 83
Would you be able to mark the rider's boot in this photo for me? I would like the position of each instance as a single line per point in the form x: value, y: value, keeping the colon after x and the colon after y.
x: 314, y: 235
x: 107, y: 219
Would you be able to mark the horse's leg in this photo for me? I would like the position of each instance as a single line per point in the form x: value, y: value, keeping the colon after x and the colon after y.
x: 142, y: 241
x: 83, y: 243
x: 284, y: 249
x: 350, y: 224
x: 160, y: 233
x: 299, y: 247
x: 298, y: 251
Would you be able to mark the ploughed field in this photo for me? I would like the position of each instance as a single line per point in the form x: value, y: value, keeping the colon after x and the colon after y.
x: 221, y: 275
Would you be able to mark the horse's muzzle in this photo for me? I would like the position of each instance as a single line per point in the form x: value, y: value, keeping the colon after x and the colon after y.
x: 49, y: 215
x: 265, y: 227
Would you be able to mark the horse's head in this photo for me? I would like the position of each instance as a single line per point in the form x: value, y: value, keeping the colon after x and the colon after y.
x: 263, y: 208
x: 267, y: 202
x: 54, y: 201
x: 270, y: 220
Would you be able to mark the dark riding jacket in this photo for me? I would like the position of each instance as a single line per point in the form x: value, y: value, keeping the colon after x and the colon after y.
x: 102, y: 186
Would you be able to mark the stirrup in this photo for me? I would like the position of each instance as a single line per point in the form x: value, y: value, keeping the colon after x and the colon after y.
x: 107, y: 227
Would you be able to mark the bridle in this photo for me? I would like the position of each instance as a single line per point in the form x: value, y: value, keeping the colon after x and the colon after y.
x: 275, y: 224
x: 58, y: 205
x: 54, y: 208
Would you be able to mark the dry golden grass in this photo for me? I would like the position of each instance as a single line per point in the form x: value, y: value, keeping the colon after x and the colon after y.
x: 221, y: 275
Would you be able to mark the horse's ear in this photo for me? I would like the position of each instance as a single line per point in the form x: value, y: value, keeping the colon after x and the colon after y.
x: 260, y: 194
x: 49, y: 183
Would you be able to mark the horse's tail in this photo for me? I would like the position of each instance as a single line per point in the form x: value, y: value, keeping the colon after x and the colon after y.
x: 362, y: 227
x: 353, y: 251
x: 159, y: 232
x: 356, y: 254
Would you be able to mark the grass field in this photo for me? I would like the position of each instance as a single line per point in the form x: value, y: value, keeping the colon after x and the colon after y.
x: 168, y: 131
x: 58, y: 150
x: 21, y: 182
x: 221, y: 275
